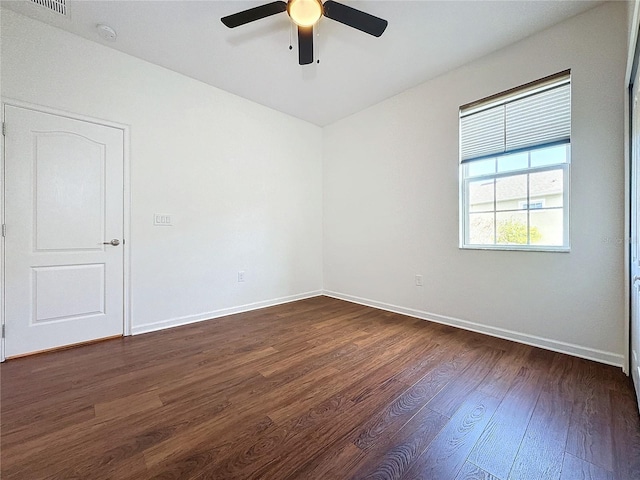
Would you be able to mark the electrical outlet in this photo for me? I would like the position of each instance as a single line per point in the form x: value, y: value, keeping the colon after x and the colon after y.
x: 419, y: 281
x: 162, y: 220
x: 241, y: 276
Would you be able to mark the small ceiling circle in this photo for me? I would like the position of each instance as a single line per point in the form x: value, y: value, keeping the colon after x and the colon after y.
x: 106, y: 32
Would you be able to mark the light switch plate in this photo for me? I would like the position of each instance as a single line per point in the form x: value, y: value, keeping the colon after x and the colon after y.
x: 162, y: 219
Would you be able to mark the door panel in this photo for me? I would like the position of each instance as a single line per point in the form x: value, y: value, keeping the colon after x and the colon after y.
x: 68, y: 184
x: 68, y: 291
x: 63, y: 201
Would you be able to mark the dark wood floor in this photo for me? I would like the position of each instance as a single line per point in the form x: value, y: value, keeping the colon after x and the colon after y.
x: 317, y: 389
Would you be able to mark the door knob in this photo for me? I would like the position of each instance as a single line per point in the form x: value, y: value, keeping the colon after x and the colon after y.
x: 115, y: 242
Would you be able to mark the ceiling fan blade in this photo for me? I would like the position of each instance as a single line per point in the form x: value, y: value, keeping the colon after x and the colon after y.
x: 305, y: 45
x: 253, y: 14
x: 354, y: 18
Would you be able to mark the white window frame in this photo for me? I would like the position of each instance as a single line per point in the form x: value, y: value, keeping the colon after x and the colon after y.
x: 465, y: 179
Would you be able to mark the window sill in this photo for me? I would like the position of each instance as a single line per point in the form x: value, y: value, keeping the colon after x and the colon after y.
x: 517, y: 248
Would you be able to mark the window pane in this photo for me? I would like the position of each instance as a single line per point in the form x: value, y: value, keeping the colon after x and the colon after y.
x: 511, y: 228
x: 481, y: 229
x: 549, y: 156
x: 481, y: 167
x: 547, y: 187
x: 546, y: 227
x: 511, y: 192
x: 481, y: 196
x: 515, y: 161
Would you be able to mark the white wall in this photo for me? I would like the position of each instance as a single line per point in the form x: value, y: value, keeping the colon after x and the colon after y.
x: 391, y: 201
x: 243, y: 182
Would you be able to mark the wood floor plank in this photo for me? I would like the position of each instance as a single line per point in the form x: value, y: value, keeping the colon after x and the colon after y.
x: 309, y: 355
x: 314, y: 431
x: 314, y: 389
x: 19, y: 427
x: 425, y: 359
x: 219, y: 456
x: 542, y: 450
x: 507, y: 428
x: 303, y: 431
x: 244, y: 407
x: 448, y: 400
x: 341, y: 426
x: 590, y: 436
x: 472, y: 472
x: 498, y: 381
x: 398, y: 412
x: 446, y: 455
x: 131, y: 404
x: 337, y: 462
x: 120, y: 439
x: 357, y: 375
x: 392, y: 458
x: 574, y: 468
x: 626, y: 434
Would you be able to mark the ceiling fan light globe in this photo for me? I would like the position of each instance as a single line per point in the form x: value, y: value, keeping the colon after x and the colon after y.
x: 304, y: 13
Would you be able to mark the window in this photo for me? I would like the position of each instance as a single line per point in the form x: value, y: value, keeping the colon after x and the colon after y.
x: 515, y: 151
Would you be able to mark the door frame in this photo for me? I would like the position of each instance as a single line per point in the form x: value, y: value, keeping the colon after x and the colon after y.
x: 126, y: 244
x: 633, y: 55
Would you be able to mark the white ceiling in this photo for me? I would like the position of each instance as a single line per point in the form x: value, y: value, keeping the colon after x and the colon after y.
x: 423, y: 40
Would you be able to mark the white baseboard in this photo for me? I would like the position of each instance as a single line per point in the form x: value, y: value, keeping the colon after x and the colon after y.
x: 176, y: 322
x: 588, y: 353
x: 601, y: 356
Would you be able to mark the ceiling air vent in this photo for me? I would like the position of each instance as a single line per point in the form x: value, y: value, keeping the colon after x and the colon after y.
x: 56, y: 6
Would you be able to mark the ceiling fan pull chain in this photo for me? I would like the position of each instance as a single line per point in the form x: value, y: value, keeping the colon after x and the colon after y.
x: 291, y: 37
x: 317, y: 44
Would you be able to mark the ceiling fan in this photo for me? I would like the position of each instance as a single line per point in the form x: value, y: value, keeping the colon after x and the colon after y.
x: 305, y: 14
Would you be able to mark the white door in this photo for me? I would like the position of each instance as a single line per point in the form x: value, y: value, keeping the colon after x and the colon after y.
x: 63, y: 201
x: 635, y: 240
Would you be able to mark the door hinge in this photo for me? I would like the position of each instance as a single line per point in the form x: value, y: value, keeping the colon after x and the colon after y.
x: 3, y: 331
x: 4, y: 229
x: 4, y: 129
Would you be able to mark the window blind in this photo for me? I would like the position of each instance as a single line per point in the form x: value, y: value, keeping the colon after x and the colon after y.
x: 539, y: 115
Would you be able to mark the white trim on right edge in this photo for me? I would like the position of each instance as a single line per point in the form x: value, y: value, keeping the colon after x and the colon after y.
x: 596, y: 355
x: 2, y: 252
